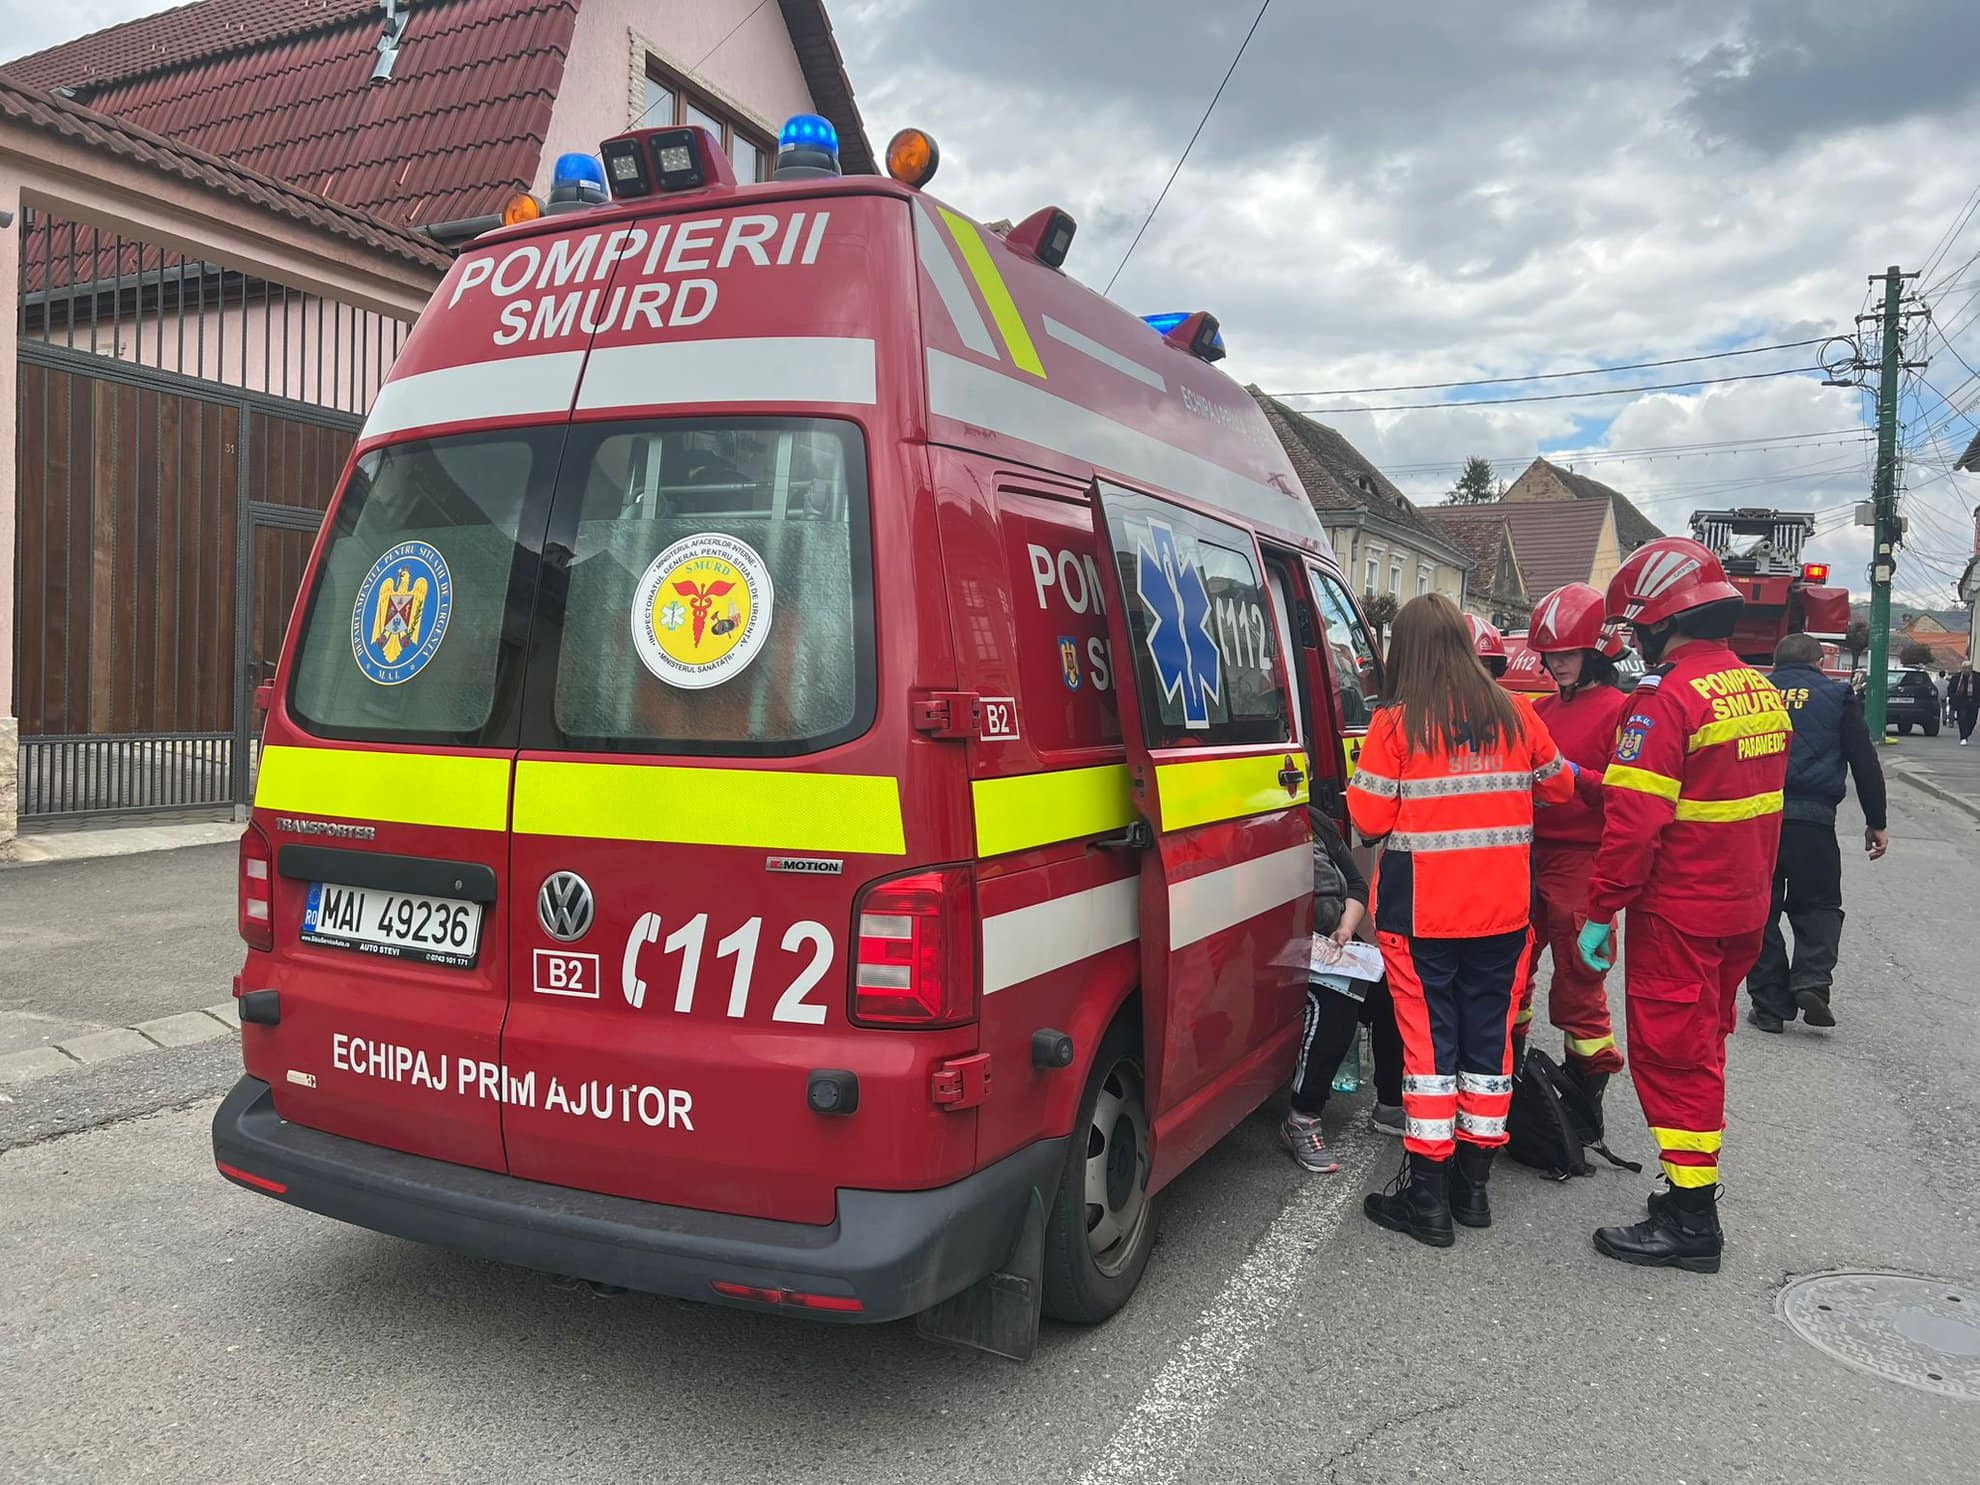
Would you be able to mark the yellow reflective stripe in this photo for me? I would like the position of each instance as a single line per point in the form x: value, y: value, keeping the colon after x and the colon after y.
x: 1704, y: 1141
x: 1691, y: 1175
x: 1588, y: 1046
x: 846, y: 814
x: 1750, y: 808
x: 457, y: 791
x: 1523, y: 1017
x: 1754, y: 724
x: 1003, y: 309
x: 1224, y: 789
x: 1036, y: 809
x: 1641, y: 780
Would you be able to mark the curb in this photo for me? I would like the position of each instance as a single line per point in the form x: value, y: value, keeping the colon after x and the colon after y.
x: 88, y: 1049
x: 1892, y: 769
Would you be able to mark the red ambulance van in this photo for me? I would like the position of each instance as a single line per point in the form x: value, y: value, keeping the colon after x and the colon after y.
x: 787, y: 781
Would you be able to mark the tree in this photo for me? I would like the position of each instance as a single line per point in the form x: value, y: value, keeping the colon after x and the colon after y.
x: 1380, y: 611
x: 1856, y: 639
x: 1916, y: 653
x: 1477, y: 485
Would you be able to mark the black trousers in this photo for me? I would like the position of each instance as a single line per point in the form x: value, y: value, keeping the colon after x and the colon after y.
x: 1966, y: 716
x: 1331, y: 1019
x: 1808, y: 888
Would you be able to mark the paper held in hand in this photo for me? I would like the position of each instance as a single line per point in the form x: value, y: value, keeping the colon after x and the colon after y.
x: 1357, y: 961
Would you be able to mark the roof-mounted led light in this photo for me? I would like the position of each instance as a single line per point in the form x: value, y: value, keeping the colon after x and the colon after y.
x: 1815, y: 572
x: 1045, y: 235
x: 807, y: 149
x: 625, y: 168
x: 519, y: 208
x: 578, y: 180
x: 1196, y: 333
x: 912, y: 158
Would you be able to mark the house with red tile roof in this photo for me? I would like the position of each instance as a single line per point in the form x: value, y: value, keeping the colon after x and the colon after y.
x: 1484, y: 533
x: 440, y: 111
x: 1545, y: 482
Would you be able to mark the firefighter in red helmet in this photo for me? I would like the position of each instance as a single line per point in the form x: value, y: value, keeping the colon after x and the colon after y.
x: 1579, y: 649
x: 1692, y: 819
x: 1490, y: 645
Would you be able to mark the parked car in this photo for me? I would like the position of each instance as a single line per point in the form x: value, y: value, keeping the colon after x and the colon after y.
x: 1911, y: 700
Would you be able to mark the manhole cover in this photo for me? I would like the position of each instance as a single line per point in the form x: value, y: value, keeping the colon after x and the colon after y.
x: 1921, y: 1332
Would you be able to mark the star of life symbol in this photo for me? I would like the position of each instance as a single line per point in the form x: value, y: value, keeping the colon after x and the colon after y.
x: 673, y: 615
x: 1187, y: 661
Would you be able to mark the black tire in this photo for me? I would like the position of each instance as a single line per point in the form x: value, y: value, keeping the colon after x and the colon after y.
x: 1904, y: 729
x: 1932, y: 728
x: 1083, y: 1286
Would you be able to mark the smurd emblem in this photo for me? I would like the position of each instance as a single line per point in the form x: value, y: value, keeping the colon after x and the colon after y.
x: 564, y: 907
x: 702, y: 611
x: 1187, y: 660
x: 401, y: 612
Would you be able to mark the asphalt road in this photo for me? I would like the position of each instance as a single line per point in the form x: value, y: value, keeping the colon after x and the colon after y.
x: 158, y: 1324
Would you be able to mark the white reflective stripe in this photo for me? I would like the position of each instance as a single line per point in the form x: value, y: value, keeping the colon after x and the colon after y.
x: 931, y: 245
x: 1427, y: 1129
x: 1306, y: 1042
x: 1547, y: 770
x: 789, y: 368
x: 517, y: 386
x: 1431, y: 841
x: 1377, y: 784
x: 1228, y: 896
x: 1429, y: 1085
x: 1650, y: 682
x: 1031, y: 941
x: 1469, y: 1082
x: 1467, y: 783
x: 987, y: 398
x: 1106, y: 355
x: 1472, y: 1123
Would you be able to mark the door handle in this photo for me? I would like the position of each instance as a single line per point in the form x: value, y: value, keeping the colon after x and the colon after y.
x: 1291, y: 777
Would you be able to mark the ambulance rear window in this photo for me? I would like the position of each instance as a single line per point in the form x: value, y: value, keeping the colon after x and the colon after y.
x: 718, y: 594
x: 405, y: 634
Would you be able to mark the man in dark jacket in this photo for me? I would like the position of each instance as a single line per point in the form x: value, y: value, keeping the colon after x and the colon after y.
x: 1964, y: 697
x: 1830, y: 738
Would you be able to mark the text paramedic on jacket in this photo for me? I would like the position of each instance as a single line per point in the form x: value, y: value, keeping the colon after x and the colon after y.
x: 1579, y: 650
x: 1448, y: 775
x: 1693, y: 816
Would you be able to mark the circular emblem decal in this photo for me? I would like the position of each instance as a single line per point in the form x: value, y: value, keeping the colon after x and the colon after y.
x: 702, y: 611
x: 401, y: 612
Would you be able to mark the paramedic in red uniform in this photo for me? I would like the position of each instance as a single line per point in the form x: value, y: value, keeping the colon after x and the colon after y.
x: 1580, y: 652
x: 1447, y: 780
x: 1692, y: 805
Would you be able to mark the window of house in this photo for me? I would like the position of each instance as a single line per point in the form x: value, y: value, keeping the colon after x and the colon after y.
x: 670, y: 100
x: 1395, y: 581
x: 1371, y: 575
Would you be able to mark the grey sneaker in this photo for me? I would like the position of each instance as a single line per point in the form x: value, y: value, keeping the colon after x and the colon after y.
x: 1388, y: 1118
x: 1301, y: 1135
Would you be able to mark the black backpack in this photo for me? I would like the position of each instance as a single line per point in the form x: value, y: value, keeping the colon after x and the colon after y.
x: 1553, y: 1120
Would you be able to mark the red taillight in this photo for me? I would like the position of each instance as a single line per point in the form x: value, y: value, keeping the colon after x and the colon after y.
x: 841, y: 1303
x: 257, y: 889
x: 916, y: 962
x: 1815, y: 572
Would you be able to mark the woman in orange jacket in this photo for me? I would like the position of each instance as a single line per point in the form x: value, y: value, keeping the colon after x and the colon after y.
x: 1447, y: 782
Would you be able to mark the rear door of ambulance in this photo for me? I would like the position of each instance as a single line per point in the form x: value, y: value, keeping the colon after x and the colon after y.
x: 739, y: 595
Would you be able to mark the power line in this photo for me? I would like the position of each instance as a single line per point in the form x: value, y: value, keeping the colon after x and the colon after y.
x: 1650, y: 451
x: 695, y: 66
x: 1188, y: 147
x: 1548, y: 376
x: 1711, y: 381
x: 1958, y: 411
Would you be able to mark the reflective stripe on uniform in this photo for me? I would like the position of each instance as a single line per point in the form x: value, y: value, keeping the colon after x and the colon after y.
x: 1486, y: 1083
x: 1428, y: 1129
x: 450, y: 790
x: 1754, y: 724
x: 1704, y: 1141
x: 1224, y: 789
x: 850, y: 814
x: 1749, y: 808
x: 1642, y: 781
x: 1691, y: 1175
x: 1379, y: 785
x: 1486, y: 1124
x: 1547, y: 770
x: 1036, y: 809
x: 1429, y: 842
x: 1469, y: 783
x: 1588, y: 1046
x: 1429, y: 1085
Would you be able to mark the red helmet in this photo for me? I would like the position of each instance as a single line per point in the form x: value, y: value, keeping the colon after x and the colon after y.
x: 1666, y: 577
x: 1485, y: 639
x: 1571, y: 618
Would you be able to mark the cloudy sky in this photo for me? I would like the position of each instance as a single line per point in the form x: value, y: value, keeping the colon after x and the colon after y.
x: 1442, y: 190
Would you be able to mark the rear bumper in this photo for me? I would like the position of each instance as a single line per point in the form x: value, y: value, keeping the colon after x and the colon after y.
x: 897, y: 1252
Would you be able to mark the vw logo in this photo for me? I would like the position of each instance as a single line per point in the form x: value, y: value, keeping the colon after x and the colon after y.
x: 563, y: 906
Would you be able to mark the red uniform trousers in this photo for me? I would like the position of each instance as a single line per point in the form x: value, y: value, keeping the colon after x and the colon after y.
x: 1577, y: 997
x: 1454, y: 1006
x: 1681, y: 999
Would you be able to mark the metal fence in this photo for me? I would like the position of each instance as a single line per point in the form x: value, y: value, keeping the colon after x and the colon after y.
x: 137, y: 773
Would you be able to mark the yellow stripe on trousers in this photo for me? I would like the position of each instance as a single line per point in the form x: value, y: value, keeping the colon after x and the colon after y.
x: 453, y: 790
x: 839, y: 813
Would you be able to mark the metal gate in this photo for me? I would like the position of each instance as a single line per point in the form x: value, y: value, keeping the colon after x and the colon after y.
x: 169, y: 493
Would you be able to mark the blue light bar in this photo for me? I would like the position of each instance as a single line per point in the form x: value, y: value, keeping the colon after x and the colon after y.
x: 809, y: 131
x: 1163, y: 324
x: 578, y: 166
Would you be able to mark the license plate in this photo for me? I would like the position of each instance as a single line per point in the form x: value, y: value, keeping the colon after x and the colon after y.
x: 395, y: 925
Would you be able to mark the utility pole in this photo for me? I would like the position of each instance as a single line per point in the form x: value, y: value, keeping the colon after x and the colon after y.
x: 1885, y: 528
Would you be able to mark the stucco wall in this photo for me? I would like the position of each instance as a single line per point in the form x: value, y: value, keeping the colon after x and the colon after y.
x: 754, y: 73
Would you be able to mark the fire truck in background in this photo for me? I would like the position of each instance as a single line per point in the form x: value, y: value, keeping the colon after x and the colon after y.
x: 1761, y: 551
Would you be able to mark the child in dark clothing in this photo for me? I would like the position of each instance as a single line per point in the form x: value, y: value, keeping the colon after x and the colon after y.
x: 1340, y: 904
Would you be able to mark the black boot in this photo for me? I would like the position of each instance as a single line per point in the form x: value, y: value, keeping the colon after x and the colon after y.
x: 1469, y: 1172
x: 1814, y: 1007
x: 1415, y: 1203
x: 1682, y: 1231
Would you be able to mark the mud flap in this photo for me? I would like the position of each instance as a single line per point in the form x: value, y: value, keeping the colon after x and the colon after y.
x: 998, y: 1314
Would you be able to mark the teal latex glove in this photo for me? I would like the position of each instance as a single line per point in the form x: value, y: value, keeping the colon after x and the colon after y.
x: 1598, y: 946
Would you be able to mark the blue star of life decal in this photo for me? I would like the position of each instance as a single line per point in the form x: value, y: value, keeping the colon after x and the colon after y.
x: 1187, y: 660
